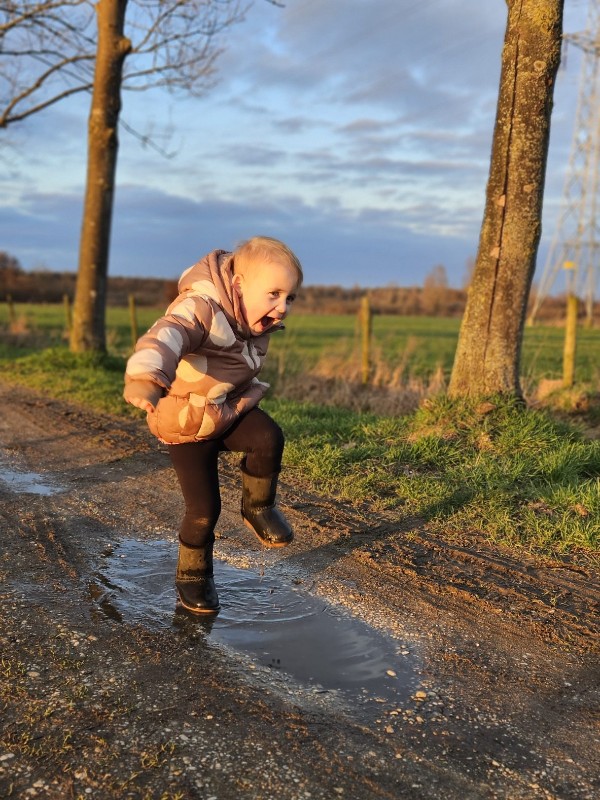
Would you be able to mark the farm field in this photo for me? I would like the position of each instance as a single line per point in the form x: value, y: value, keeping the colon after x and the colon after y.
x: 413, y: 347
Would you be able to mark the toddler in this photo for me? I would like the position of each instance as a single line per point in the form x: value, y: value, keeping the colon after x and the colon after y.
x: 195, y: 373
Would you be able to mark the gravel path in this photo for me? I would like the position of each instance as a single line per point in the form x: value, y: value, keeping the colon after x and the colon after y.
x: 485, y: 677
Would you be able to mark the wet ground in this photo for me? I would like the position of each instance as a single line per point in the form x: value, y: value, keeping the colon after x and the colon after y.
x: 365, y: 660
x: 279, y: 625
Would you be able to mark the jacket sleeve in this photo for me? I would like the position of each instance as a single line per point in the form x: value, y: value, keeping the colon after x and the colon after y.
x: 182, y: 330
x: 145, y: 390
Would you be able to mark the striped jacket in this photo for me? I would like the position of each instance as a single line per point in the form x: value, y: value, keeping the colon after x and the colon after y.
x: 198, y: 364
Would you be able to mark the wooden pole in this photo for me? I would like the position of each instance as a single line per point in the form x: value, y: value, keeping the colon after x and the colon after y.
x: 67, y: 309
x: 133, y: 320
x: 570, y: 345
x: 12, y: 316
x: 366, y: 328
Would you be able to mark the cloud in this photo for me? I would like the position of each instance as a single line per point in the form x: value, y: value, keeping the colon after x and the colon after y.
x: 351, y: 50
x: 255, y: 155
x: 156, y: 234
x: 359, y: 131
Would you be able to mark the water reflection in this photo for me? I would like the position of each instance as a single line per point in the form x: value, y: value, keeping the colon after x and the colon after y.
x: 280, y: 624
x: 26, y: 482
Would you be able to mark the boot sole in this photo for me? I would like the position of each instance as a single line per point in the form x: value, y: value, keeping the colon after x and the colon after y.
x: 263, y: 541
x: 197, y: 610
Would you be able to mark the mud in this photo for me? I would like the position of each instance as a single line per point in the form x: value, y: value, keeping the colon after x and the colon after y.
x: 369, y: 659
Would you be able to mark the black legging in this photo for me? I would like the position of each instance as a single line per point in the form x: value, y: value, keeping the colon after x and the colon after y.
x: 196, y: 465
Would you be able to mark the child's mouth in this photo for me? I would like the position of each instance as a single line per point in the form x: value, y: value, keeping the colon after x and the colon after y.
x: 266, y: 322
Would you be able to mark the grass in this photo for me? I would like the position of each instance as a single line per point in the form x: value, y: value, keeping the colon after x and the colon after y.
x: 519, y: 476
x: 421, y: 345
x: 91, y: 380
x: 516, y: 475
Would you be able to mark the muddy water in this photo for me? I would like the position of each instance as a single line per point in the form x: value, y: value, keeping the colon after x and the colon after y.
x: 26, y: 482
x: 278, y: 624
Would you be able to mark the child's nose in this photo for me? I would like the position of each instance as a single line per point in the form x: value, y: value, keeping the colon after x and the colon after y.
x: 281, y: 306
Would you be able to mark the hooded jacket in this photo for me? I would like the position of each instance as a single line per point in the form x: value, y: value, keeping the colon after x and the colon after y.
x: 200, y: 358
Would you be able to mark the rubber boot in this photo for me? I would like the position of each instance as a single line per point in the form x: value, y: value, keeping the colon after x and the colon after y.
x: 194, y: 579
x: 259, y: 512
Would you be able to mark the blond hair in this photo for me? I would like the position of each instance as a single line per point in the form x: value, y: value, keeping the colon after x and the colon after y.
x: 264, y: 249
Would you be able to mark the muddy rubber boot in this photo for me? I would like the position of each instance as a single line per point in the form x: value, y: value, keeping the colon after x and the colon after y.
x: 259, y: 512
x: 194, y: 579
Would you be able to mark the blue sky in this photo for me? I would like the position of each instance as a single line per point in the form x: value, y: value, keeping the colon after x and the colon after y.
x: 358, y: 131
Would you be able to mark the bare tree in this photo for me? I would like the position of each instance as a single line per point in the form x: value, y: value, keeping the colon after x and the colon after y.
x: 489, y: 348
x: 52, y: 49
x: 435, y: 290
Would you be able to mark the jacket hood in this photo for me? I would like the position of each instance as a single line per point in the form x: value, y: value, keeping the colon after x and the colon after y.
x: 211, y: 277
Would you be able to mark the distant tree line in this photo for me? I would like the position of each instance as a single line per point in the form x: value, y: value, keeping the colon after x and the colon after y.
x: 44, y: 286
x: 434, y: 298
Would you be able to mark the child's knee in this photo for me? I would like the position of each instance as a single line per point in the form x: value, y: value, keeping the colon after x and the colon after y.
x: 275, y: 438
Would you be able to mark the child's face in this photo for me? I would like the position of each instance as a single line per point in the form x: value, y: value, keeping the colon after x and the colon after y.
x: 266, y: 293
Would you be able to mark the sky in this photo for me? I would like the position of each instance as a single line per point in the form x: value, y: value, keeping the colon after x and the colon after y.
x: 357, y: 131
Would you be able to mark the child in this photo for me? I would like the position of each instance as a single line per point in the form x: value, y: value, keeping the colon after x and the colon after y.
x: 195, y: 374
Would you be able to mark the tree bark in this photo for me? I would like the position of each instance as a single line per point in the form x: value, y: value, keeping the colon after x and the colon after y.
x: 488, y: 354
x: 88, y: 328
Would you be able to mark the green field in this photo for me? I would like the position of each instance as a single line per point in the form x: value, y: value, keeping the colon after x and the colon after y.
x: 420, y: 345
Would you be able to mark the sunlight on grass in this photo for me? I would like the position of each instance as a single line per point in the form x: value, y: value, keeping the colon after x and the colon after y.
x: 513, y: 474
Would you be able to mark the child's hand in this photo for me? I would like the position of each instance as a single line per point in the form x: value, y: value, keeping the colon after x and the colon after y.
x: 140, y: 402
x: 143, y: 394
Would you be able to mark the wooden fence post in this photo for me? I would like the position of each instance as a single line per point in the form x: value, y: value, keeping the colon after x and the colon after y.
x: 366, y: 329
x: 133, y: 320
x: 67, y: 310
x: 570, y: 345
x: 12, y: 316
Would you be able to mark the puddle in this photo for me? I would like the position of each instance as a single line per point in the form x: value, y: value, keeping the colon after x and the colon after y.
x: 278, y: 625
x: 26, y: 482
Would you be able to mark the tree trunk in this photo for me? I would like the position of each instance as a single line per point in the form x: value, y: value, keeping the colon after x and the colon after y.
x: 88, y: 328
x: 489, y: 347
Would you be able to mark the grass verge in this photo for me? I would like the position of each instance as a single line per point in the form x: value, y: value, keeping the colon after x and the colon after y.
x: 519, y: 476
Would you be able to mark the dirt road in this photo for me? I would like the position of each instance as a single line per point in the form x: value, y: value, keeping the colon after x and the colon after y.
x: 485, y: 673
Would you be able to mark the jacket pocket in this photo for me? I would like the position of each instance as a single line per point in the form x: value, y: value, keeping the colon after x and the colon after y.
x: 179, y: 418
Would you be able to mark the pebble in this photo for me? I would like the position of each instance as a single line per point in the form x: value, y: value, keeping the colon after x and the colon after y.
x: 6, y: 756
x: 391, y: 673
x: 420, y: 695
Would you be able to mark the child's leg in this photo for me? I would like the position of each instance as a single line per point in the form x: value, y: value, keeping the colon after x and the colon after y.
x: 261, y: 439
x: 196, y: 465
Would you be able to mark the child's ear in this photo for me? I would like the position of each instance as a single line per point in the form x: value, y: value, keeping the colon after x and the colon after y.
x: 236, y: 282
